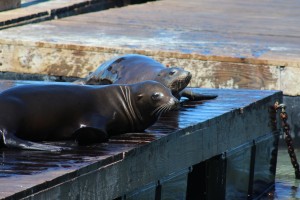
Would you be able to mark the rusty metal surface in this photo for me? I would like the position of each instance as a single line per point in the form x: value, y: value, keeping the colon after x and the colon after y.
x: 23, y: 171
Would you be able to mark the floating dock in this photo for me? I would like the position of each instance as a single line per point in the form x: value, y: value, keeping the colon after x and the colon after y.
x: 232, y: 44
x: 225, y: 44
x: 186, y: 154
x: 34, y: 11
x: 218, y: 149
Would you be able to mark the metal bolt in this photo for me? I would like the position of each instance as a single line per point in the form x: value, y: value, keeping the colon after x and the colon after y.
x: 241, y: 110
x: 281, y: 68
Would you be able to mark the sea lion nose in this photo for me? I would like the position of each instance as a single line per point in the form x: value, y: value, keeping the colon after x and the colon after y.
x: 188, y: 77
x: 175, y: 102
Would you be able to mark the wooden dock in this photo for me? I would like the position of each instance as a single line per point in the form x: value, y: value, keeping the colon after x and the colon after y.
x: 228, y: 44
x: 232, y: 139
x: 224, y: 44
x: 9, y: 4
x: 34, y: 11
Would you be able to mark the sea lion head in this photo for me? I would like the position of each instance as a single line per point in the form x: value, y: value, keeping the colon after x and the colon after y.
x: 174, y: 78
x: 153, y: 98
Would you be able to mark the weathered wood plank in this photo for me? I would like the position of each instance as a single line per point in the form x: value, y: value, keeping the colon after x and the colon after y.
x: 33, y: 11
x: 9, y: 4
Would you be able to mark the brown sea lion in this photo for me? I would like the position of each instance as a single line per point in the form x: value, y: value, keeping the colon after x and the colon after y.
x: 88, y: 114
x: 134, y: 68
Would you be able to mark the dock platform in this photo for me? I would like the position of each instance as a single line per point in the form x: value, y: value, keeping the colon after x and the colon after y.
x: 187, y: 154
x: 34, y: 11
x: 225, y: 44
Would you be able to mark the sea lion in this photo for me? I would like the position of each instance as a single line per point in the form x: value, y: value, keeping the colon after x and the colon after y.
x: 88, y: 114
x: 134, y: 68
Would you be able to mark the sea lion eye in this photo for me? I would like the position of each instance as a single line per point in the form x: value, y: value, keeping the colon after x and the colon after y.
x: 156, y: 96
x: 172, y: 72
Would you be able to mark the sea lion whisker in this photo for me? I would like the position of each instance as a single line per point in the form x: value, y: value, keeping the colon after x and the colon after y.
x: 168, y: 108
x: 162, y: 109
x: 156, y: 111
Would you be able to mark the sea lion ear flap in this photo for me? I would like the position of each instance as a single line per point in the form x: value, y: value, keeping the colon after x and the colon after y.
x: 139, y: 96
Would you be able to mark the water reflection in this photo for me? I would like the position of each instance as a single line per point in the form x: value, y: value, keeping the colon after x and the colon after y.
x: 286, y: 186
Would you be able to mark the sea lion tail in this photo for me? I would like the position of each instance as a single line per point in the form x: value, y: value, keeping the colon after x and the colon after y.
x: 11, y: 141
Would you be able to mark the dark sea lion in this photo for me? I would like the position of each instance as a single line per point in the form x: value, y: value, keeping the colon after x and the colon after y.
x: 134, y: 68
x: 88, y: 114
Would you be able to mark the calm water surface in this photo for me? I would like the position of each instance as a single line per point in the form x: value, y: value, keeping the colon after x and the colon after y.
x: 286, y: 187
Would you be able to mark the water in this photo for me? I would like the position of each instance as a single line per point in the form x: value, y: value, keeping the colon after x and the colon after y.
x: 286, y: 186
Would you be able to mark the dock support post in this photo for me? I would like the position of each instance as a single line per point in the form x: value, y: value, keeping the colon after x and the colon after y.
x: 207, y: 180
x: 251, y: 171
x: 158, y: 191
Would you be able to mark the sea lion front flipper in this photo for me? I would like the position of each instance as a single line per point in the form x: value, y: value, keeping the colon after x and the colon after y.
x: 193, y: 95
x: 92, y: 131
x: 90, y: 135
x: 11, y: 141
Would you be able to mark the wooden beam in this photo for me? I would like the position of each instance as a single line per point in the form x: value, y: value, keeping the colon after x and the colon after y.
x: 9, y: 4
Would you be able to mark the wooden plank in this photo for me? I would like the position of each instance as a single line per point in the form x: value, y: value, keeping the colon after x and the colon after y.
x: 9, y: 4
x: 33, y: 11
x: 35, y: 8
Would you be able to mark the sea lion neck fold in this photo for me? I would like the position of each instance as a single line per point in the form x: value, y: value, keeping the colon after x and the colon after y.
x: 132, y: 113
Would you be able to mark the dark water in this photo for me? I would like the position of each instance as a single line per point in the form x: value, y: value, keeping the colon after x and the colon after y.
x: 286, y: 186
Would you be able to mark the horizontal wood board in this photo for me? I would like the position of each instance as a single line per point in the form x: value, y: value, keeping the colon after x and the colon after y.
x: 9, y: 4
x: 34, y: 11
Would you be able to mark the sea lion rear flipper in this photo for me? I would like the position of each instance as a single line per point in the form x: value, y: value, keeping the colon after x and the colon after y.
x: 11, y: 141
x: 196, y: 96
x: 93, y: 130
